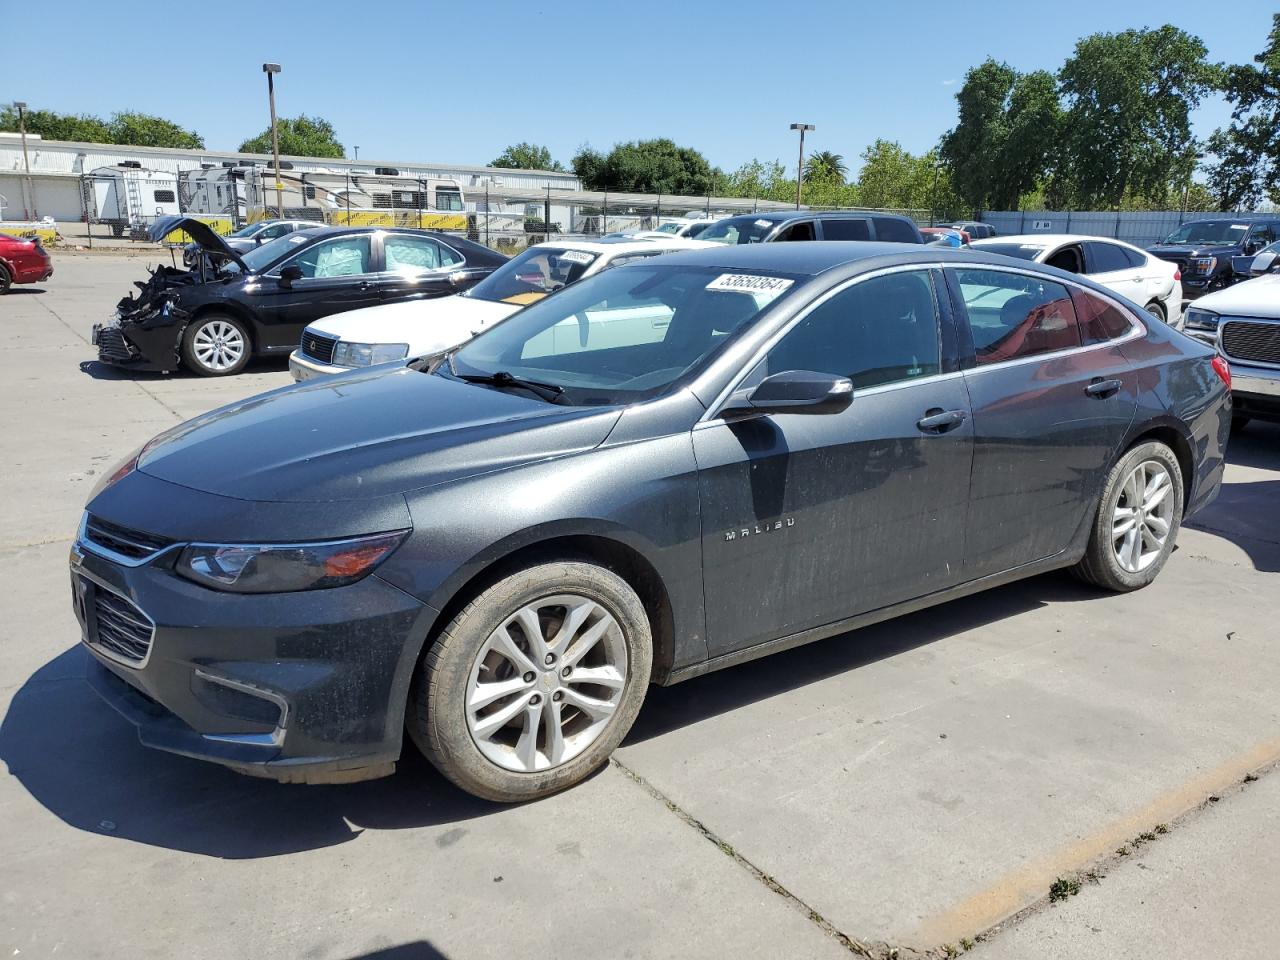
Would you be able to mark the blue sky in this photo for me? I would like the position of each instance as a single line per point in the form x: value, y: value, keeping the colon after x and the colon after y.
x: 457, y: 82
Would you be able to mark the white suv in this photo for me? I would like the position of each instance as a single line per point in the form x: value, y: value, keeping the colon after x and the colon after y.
x: 416, y: 328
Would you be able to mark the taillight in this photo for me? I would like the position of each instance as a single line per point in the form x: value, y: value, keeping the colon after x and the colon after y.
x: 1222, y: 369
x: 1177, y: 275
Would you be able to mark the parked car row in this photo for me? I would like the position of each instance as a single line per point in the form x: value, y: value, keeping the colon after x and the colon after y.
x: 497, y: 549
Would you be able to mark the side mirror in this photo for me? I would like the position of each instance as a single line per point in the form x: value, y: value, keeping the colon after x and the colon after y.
x: 794, y: 391
x: 289, y: 274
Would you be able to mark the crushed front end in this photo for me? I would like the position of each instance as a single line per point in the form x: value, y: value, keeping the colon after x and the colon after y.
x: 144, y: 333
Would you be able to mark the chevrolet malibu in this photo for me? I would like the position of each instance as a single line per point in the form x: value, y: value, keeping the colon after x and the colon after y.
x: 668, y: 468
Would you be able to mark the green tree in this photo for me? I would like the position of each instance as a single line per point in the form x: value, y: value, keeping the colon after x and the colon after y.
x: 144, y: 130
x: 647, y: 166
x: 827, y: 166
x: 1127, y: 129
x: 760, y: 180
x: 1000, y: 148
x: 300, y: 136
x: 134, y: 129
x: 894, y: 177
x: 1247, y: 164
x: 526, y: 156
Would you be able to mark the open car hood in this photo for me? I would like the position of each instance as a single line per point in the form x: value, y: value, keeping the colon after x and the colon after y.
x: 197, y: 230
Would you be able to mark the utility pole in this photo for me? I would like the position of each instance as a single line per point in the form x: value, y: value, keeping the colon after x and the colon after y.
x: 802, y: 127
x: 271, y: 69
x: 28, y: 198
x: 357, y: 149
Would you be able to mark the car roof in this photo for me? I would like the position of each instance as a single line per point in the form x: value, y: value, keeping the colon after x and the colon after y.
x: 812, y: 257
x: 782, y: 216
x: 1049, y: 240
x: 625, y: 244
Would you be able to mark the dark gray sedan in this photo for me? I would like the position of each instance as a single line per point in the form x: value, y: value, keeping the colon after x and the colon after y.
x: 668, y: 468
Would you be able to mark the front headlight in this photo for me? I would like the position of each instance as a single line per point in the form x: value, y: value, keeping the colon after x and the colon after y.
x: 1198, y: 319
x: 364, y: 354
x: 1204, y: 264
x: 285, y: 567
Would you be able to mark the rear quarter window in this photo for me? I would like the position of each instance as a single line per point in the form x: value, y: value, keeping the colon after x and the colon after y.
x: 893, y: 230
x: 1099, y: 320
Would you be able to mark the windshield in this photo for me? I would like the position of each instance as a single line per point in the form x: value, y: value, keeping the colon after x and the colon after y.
x: 532, y: 275
x: 1023, y: 251
x: 667, y: 228
x: 261, y: 257
x: 247, y: 230
x: 1219, y: 233
x: 738, y: 230
x: 622, y: 335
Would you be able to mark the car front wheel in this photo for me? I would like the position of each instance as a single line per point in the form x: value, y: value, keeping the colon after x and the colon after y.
x: 1137, y: 520
x: 215, y: 345
x: 533, y: 684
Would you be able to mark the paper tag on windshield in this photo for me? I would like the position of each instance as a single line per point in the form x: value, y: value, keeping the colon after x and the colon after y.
x: 577, y: 256
x: 749, y: 283
x: 764, y: 223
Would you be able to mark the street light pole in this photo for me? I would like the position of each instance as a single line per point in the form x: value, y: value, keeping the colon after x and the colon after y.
x: 271, y: 69
x: 357, y: 156
x: 28, y: 195
x: 802, y: 127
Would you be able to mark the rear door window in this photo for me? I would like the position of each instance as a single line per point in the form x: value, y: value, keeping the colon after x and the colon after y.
x: 845, y: 228
x: 1105, y: 257
x: 407, y: 254
x: 1013, y: 315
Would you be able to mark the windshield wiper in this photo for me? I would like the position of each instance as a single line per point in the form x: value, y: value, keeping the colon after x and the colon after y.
x: 502, y: 378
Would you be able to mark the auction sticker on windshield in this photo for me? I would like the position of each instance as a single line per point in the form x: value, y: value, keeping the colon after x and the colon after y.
x: 576, y: 256
x: 749, y: 283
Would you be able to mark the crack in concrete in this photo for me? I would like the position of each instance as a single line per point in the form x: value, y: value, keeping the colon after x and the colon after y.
x: 854, y: 946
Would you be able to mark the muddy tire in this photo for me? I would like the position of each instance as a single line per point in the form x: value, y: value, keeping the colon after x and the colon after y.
x: 533, y: 684
x: 215, y: 345
x: 1137, y: 522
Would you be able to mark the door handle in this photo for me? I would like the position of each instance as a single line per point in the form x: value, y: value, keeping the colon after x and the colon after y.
x: 363, y: 285
x: 1102, y: 388
x: 939, y: 421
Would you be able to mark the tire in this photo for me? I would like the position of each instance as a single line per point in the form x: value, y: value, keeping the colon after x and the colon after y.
x: 1239, y: 422
x: 215, y: 345
x: 1102, y: 564
x: 512, y: 760
x: 6, y: 281
x: 1157, y: 310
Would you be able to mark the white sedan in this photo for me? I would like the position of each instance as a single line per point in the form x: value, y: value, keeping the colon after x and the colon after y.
x: 1133, y: 273
x: 418, y: 328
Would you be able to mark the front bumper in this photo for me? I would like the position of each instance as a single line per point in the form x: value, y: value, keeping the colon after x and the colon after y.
x: 297, y: 687
x: 1255, y: 391
x: 304, y: 368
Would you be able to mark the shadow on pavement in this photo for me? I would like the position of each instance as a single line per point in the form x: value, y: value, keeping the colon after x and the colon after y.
x: 80, y: 760
x: 669, y: 708
x: 98, y: 370
x: 418, y: 950
x: 1247, y: 513
x: 18, y: 289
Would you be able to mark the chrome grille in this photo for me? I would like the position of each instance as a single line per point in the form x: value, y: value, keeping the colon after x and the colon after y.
x: 112, y: 345
x: 1251, y: 340
x: 119, y: 627
x: 1178, y: 261
x: 133, y: 544
x: 318, y: 347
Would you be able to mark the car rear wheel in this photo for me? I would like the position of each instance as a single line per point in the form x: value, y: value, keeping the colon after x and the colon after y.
x: 1157, y: 310
x: 533, y: 684
x: 5, y: 280
x: 1137, y: 521
x: 215, y: 345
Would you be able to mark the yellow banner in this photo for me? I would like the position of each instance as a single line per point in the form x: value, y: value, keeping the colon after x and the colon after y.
x: 220, y: 225
x: 47, y: 235
x: 425, y: 220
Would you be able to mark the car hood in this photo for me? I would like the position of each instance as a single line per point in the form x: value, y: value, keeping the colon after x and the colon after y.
x: 1191, y: 250
x: 381, y: 431
x: 1259, y: 297
x: 419, y: 323
x: 198, y: 231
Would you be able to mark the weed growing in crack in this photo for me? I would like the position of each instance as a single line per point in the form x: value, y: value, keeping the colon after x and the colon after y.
x: 1061, y: 888
x: 1122, y: 851
x: 966, y: 944
x: 1162, y: 828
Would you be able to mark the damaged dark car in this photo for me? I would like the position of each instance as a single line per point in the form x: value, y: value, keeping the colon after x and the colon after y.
x: 231, y: 306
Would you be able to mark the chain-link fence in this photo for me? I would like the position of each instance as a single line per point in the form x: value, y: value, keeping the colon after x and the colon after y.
x: 125, y: 201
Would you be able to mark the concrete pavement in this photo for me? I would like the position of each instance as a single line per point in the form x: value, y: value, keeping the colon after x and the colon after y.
x: 911, y: 784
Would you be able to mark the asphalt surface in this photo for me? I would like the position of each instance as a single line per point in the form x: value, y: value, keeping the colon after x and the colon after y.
x: 920, y: 783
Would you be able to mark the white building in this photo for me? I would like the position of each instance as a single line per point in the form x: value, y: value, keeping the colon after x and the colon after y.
x: 56, y: 168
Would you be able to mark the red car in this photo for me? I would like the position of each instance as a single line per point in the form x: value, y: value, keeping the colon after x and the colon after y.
x: 22, y: 261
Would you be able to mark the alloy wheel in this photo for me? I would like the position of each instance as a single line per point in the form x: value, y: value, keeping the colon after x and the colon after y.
x: 546, y: 683
x: 1143, y: 516
x: 218, y: 345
